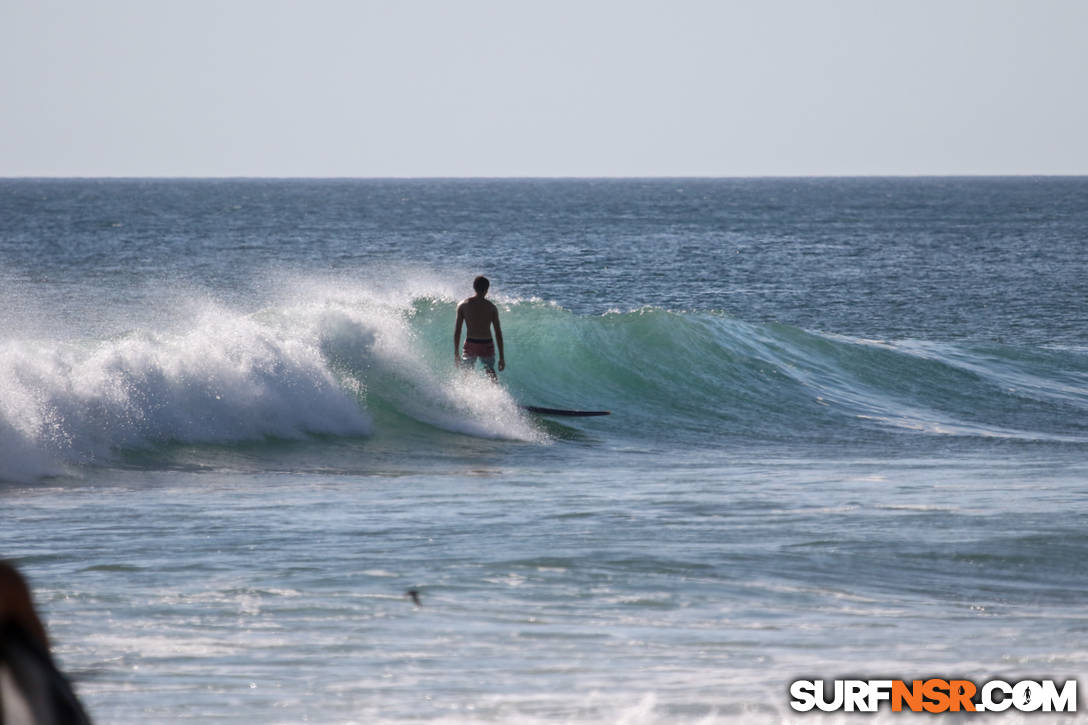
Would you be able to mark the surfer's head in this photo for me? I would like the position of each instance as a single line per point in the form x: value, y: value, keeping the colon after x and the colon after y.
x: 481, y: 285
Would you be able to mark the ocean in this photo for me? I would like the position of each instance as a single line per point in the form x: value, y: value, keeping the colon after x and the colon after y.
x: 848, y: 438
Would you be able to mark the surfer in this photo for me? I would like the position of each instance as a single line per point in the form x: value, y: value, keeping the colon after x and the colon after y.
x: 478, y: 315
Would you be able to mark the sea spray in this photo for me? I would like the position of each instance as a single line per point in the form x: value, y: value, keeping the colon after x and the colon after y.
x: 229, y: 378
x: 305, y: 368
x: 376, y: 345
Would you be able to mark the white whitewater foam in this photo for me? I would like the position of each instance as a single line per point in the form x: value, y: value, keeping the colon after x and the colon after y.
x: 306, y: 365
x: 229, y: 378
x: 381, y: 352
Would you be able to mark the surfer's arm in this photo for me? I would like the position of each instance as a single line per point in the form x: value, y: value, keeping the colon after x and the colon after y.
x: 498, y: 339
x: 457, y: 334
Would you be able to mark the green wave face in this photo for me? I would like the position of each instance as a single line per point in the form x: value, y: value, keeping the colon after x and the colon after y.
x: 691, y: 375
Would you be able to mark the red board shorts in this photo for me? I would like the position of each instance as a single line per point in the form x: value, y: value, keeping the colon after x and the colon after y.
x: 482, y: 350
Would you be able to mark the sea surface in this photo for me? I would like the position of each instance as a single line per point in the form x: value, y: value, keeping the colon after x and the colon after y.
x: 849, y: 438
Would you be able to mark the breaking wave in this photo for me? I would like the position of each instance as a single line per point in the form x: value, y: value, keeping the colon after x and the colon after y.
x: 330, y: 360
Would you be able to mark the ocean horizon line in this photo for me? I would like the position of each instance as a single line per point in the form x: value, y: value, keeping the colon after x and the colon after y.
x: 693, y: 177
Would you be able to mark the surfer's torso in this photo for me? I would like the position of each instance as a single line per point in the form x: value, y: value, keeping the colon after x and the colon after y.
x: 478, y: 315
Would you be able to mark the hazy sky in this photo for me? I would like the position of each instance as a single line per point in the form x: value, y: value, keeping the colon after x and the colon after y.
x: 542, y: 88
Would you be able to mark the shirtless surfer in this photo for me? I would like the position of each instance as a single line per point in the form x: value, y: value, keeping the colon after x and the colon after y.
x: 478, y: 315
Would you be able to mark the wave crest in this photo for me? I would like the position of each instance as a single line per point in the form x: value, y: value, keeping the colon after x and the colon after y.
x: 343, y: 361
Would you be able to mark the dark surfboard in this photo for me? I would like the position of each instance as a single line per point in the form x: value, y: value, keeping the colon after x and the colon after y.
x: 567, y: 413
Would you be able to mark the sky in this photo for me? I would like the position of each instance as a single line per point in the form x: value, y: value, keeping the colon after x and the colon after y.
x: 418, y: 88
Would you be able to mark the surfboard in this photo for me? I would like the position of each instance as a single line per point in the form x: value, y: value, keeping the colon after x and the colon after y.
x: 561, y: 412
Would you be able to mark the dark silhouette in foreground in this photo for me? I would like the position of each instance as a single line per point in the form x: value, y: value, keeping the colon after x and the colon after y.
x: 32, y: 690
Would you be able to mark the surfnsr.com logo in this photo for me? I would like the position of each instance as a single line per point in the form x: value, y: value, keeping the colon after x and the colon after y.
x: 933, y: 695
